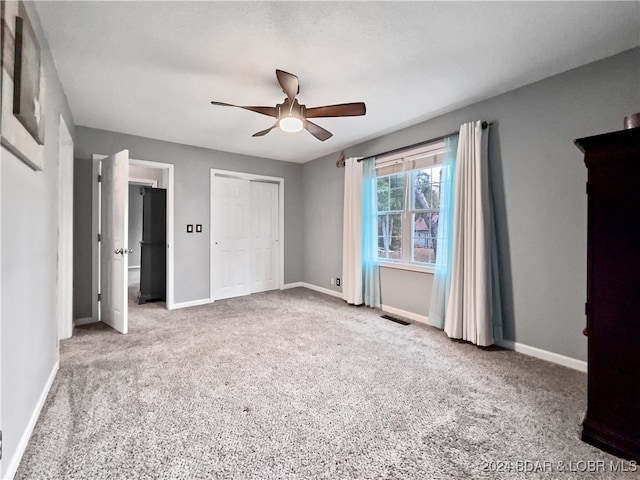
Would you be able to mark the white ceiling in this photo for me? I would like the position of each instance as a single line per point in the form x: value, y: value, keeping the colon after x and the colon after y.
x: 151, y: 69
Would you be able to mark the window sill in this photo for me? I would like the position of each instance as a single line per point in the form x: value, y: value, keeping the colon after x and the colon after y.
x: 407, y: 266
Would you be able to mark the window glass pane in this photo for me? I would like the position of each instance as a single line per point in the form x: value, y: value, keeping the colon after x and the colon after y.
x: 424, y: 237
x: 390, y: 189
x: 390, y: 236
x: 383, y: 194
x: 393, y: 252
x: 426, y: 188
x: 397, y: 180
x: 421, y: 181
x: 433, y: 195
x: 396, y: 200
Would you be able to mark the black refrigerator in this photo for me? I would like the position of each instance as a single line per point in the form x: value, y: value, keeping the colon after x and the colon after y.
x: 153, y: 247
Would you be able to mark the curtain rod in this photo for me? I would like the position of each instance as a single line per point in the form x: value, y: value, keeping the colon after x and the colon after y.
x: 419, y: 144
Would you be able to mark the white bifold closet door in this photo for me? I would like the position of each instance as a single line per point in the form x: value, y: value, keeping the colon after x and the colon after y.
x: 244, y: 236
x: 263, y: 225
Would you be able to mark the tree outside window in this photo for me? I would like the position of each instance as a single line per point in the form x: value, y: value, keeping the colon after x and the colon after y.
x: 390, y: 212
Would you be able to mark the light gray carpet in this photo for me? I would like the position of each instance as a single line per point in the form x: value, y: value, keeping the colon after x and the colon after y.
x: 298, y: 385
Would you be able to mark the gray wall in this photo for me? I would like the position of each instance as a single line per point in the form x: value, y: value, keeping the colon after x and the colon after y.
x: 135, y: 224
x: 323, y: 200
x: 29, y: 224
x: 538, y: 177
x: 406, y: 290
x: 192, y: 183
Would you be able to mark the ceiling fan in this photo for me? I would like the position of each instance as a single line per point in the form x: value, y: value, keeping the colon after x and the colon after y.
x: 292, y: 116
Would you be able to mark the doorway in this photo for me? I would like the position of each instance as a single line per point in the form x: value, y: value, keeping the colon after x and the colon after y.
x: 247, y: 232
x: 156, y: 175
x: 141, y: 171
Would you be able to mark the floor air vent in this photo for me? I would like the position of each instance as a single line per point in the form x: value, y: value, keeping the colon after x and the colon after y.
x: 394, y: 319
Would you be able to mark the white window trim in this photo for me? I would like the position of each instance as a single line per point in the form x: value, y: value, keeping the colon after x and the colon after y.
x: 412, y: 267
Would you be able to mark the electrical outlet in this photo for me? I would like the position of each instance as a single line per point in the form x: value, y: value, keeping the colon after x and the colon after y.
x: 333, y: 282
x: 337, y: 282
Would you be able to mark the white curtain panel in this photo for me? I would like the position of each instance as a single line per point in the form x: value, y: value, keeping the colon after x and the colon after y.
x: 352, y: 233
x: 469, y: 309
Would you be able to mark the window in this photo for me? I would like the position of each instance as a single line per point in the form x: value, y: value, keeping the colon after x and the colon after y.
x: 408, y: 193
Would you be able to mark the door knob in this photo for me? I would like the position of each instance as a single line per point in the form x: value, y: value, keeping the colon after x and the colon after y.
x: 119, y: 251
x: 129, y: 250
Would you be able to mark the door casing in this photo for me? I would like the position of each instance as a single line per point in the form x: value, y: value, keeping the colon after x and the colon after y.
x: 65, y: 232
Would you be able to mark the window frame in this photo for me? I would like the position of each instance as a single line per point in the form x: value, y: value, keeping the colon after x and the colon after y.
x: 407, y: 163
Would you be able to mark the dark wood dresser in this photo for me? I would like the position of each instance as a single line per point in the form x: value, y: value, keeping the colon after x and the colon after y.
x: 612, y: 422
x: 153, y: 247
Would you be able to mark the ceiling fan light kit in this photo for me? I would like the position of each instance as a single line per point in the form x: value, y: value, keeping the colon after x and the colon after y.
x: 290, y: 124
x: 292, y: 117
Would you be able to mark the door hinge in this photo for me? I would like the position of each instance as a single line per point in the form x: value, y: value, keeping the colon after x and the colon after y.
x: 99, y: 178
x: 99, y: 237
x: 0, y: 444
x: 589, y: 188
x: 99, y: 296
x: 586, y: 309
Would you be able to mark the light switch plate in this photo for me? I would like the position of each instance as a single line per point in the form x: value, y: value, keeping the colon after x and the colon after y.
x: 189, y: 228
x: 198, y: 228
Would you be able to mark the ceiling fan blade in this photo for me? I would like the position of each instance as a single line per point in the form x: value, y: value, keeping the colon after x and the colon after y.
x: 268, y: 111
x: 289, y: 83
x: 341, y: 110
x: 262, y: 133
x: 317, y: 131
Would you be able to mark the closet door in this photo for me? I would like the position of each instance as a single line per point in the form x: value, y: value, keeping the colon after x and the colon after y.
x: 263, y: 225
x: 230, y: 240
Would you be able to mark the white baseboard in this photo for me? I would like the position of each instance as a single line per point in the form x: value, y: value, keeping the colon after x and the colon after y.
x: 404, y: 313
x: 563, y: 360
x: 287, y: 286
x: 83, y: 321
x: 326, y: 291
x: 545, y: 355
x: 192, y: 303
x: 14, y: 461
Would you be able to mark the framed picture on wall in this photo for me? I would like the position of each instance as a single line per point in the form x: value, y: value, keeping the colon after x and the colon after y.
x: 23, y: 87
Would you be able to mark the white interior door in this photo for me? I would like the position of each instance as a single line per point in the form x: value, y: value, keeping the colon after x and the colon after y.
x: 230, y: 240
x: 263, y: 226
x: 114, y: 224
x: 65, y: 232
